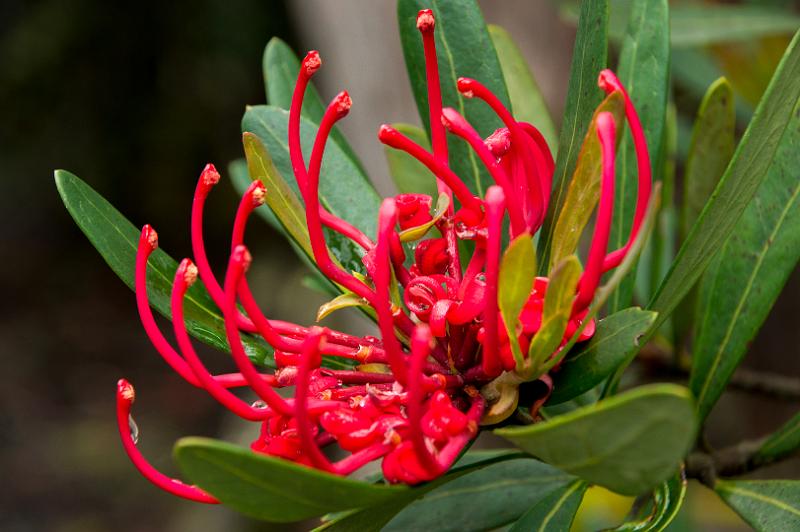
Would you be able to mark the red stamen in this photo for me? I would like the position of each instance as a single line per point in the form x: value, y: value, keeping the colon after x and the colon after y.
x: 125, y: 398
x: 491, y: 363
x: 420, y: 349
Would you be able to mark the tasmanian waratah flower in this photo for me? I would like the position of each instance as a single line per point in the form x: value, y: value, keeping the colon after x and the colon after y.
x: 414, y: 397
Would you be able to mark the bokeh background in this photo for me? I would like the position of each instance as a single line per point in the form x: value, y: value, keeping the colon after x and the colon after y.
x: 135, y: 98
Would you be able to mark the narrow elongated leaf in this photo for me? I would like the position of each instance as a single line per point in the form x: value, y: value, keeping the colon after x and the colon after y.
x: 667, y: 500
x: 696, y: 25
x: 348, y: 300
x: 584, y: 187
x: 280, y: 66
x: 782, y: 442
x: 270, y: 488
x: 555, y: 512
x: 746, y: 278
x: 409, y: 175
x: 738, y: 185
x: 498, y: 494
x: 614, y: 343
x: 515, y: 281
x: 628, y: 443
x: 589, y: 57
x: 464, y: 49
x: 526, y: 97
x: 766, y: 505
x: 644, y: 71
x: 117, y: 241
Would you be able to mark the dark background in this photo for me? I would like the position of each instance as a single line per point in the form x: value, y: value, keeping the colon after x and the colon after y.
x: 135, y: 99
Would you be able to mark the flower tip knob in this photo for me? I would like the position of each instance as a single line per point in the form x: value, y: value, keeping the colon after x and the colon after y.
x: 209, y: 176
x: 425, y: 20
x: 311, y: 62
x: 188, y: 271
x: 257, y: 192
x: 499, y: 142
x: 605, y: 124
x: 388, y: 209
x: 125, y: 391
x: 495, y: 196
x: 343, y: 104
x: 608, y: 81
x: 386, y: 133
x: 449, y: 117
x: 150, y: 237
x: 466, y: 86
x: 241, y: 256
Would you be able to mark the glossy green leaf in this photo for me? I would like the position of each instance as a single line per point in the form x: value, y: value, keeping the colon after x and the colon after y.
x: 782, y: 442
x: 409, y: 175
x: 554, y: 512
x: 281, y: 199
x: 515, y: 282
x: 463, y: 48
x: 347, y: 300
x: 415, y: 233
x: 644, y: 71
x: 526, y: 97
x: 615, y: 342
x: 738, y: 185
x: 584, y: 187
x: 589, y: 57
x: 343, y: 189
x: 117, y: 240
x: 740, y: 287
x: 766, y: 505
x: 666, y: 501
x: 628, y: 443
x: 280, y: 66
x: 556, y: 313
x: 701, y: 25
x: 496, y: 495
x: 269, y: 488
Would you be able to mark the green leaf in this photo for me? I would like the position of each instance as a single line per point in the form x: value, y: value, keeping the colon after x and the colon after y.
x: 280, y: 67
x: 738, y: 291
x: 627, y: 443
x: 343, y: 189
x: 738, y: 185
x: 667, y: 500
x: 269, y: 488
x: 589, y: 57
x: 464, y: 48
x: 766, y: 505
x: 695, y: 25
x: 554, y: 512
x: 415, y: 233
x: 644, y: 71
x: 526, y: 97
x: 117, y: 241
x: 584, y: 187
x: 514, y: 285
x: 347, y: 300
x: 782, y: 442
x: 409, y: 175
x: 615, y: 342
x: 496, y: 495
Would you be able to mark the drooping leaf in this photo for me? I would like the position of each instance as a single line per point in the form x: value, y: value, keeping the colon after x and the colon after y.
x: 589, y: 57
x: 526, y: 97
x: 117, y: 240
x: 782, y: 442
x: 498, y: 494
x: 515, y: 281
x: 738, y: 185
x: 614, y: 343
x: 628, y: 443
x: 666, y: 502
x: 766, y: 505
x: 347, y: 300
x: 269, y: 488
x: 554, y: 512
x: 746, y: 278
x: 409, y: 175
x: 644, y: 71
x: 584, y: 187
x: 464, y: 49
x: 415, y: 233
x: 280, y: 66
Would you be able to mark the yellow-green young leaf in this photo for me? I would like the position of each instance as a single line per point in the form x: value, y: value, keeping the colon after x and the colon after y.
x: 526, y: 98
x: 280, y: 197
x: 415, y: 233
x: 628, y: 443
x: 409, y: 175
x: 555, y: 316
x: 766, y: 505
x: 339, y: 302
x: 554, y: 512
x: 584, y: 187
x: 783, y: 442
x: 515, y: 282
x: 666, y: 501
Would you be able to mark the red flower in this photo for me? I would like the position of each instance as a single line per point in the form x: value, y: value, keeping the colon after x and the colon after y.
x: 412, y: 397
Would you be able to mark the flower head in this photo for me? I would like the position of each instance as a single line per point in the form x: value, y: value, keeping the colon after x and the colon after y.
x: 414, y: 397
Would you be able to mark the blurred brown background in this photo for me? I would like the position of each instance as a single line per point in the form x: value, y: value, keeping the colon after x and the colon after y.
x: 135, y: 100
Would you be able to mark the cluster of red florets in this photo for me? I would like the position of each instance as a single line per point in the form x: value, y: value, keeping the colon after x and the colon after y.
x: 411, y: 397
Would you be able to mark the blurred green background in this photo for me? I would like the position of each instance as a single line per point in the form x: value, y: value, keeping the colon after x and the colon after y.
x: 135, y: 99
